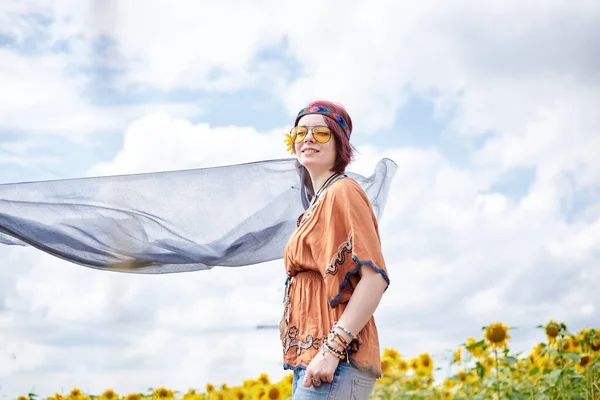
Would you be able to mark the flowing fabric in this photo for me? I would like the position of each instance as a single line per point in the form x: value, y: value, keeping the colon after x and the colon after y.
x: 166, y: 222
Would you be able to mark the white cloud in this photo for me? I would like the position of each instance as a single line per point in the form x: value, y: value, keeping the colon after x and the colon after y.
x: 41, y: 96
x: 20, y: 355
x: 187, y: 46
x: 371, y: 58
x: 159, y: 142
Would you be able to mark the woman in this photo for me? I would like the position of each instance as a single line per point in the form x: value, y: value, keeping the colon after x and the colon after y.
x: 335, y: 268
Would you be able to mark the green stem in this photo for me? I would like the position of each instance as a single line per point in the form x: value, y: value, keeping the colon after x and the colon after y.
x: 497, y: 375
x: 591, y: 379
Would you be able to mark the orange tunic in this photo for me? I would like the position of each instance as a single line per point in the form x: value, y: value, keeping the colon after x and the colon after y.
x: 335, y: 237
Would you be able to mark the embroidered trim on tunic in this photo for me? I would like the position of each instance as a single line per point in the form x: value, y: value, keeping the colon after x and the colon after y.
x: 359, y: 263
x: 309, y: 212
x: 291, y: 340
x: 289, y: 334
x: 339, y: 257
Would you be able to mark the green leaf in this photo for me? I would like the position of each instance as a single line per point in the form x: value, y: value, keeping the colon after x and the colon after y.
x: 475, y: 345
x: 510, y: 360
x: 480, y: 369
x: 573, y: 356
x: 515, y: 395
x: 555, y: 374
x: 534, y: 371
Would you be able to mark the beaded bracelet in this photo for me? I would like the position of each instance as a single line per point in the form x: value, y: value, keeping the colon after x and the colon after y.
x: 336, y: 337
x: 333, y: 351
x: 338, y: 354
x: 354, y: 337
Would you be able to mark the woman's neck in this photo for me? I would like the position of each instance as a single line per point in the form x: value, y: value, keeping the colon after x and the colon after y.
x: 320, y: 179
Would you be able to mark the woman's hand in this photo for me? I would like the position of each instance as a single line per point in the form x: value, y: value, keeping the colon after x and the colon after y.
x: 321, y: 369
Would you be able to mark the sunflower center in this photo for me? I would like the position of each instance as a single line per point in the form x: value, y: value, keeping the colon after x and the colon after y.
x: 585, y: 359
x: 497, y: 334
x: 274, y: 393
x: 552, y: 330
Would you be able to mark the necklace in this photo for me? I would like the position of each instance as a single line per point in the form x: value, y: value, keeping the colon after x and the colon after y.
x: 313, y: 201
x: 327, y: 182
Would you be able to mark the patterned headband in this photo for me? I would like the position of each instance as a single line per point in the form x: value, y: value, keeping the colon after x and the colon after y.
x: 328, y: 113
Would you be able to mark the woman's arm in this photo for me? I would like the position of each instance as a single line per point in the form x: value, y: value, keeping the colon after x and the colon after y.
x: 359, y: 310
x: 362, y: 303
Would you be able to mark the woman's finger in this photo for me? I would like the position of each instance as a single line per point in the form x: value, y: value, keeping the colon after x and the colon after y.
x: 308, y: 378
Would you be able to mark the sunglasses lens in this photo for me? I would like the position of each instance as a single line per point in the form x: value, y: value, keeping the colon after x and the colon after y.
x: 322, y: 134
x: 299, y: 133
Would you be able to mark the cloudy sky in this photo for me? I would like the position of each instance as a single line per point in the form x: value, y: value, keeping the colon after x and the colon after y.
x: 486, y: 107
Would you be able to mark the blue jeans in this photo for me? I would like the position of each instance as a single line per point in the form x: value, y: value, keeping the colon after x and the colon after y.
x: 348, y: 383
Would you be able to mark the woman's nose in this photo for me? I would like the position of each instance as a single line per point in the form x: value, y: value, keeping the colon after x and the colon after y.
x: 309, y: 135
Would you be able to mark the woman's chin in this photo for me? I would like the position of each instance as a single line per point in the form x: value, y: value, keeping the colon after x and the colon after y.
x: 310, y: 161
x: 314, y: 165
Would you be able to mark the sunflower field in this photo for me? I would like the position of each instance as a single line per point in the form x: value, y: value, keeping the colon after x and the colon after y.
x: 564, y: 366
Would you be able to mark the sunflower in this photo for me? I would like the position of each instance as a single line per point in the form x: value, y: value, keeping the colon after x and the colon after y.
x: 258, y: 393
x: 191, y: 395
x: 593, y: 338
x: 426, y: 363
x: 542, y: 361
x: 489, y: 362
x: 566, y: 344
x: 532, y: 358
x: 584, y: 362
x: 458, y: 355
x: 552, y: 330
x: 391, y: 353
x: 414, y: 364
x: 558, y: 361
x: 239, y: 394
x: 109, y: 394
x: 447, y: 384
x: 447, y: 395
x: 576, y: 343
x: 249, y: 383
x: 466, y: 377
x: 162, y: 393
x: 273, y: 393
x: 474, y: 347
x: 288, y: 143
x: 403, y: 366
x: 496, y: 335
x: 386, y: 365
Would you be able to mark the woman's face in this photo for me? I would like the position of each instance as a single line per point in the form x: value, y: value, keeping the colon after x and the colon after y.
x: 315, y: 156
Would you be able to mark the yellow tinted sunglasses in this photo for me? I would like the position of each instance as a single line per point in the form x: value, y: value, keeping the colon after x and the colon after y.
x: 322, y: 134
